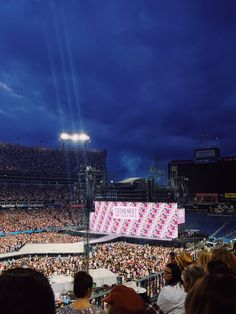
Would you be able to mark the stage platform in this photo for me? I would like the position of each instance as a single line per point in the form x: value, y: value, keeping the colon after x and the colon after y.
x: 46, y: 248
x: 57, y: 248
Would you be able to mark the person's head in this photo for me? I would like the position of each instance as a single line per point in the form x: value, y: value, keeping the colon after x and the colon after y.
x: 83, y: 284
x: 190, y: 275
x: 203, y: 258
x: 222, y: 254
x: 172, y: 254
x: 212, y: 294
x: 25, y: 291
x: 124, y: 300
x: 172, y: 274
x: 172, y: 258
x: 234, y: 247
x: 217, y: 267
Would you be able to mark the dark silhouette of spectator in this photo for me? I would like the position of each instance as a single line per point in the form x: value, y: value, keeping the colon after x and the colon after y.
x: 234, y: 251
x: 212, y: 294
x: 25, y: 291
x: 217, y: 267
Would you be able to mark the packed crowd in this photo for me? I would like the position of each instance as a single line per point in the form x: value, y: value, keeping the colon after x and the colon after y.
x: 128, y: 261
x: 13, y: 243
x: 44, y: 160
x: 204, y: 285
x: 39, y: 218
x: 35, y: 193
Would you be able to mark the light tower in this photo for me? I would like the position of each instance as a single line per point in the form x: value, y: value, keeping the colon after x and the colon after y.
x: 84, y: 139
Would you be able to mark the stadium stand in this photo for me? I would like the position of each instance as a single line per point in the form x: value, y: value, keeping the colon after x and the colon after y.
x: 220, y: 226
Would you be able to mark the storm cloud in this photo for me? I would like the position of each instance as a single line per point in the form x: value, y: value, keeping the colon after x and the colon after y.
x: 147, y: 79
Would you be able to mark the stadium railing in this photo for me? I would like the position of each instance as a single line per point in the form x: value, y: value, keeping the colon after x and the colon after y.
x: 152, y: 283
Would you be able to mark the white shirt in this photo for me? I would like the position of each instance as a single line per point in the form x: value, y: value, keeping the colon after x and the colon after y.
x: 171, y: 299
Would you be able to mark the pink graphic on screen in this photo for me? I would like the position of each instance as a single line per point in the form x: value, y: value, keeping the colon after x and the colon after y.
x: 181, y: 216
x: 147, y: 220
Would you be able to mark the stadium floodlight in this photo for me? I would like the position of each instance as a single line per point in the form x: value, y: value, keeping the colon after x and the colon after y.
x: 75, y: 137
x: 64, y: 136
x: 83, y: 137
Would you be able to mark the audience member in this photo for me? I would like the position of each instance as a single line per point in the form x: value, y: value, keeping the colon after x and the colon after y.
x: 83, y: 284
x: 234, y: 248
x: 124, y: 300
x: 151, y: 308
x: 172, y: 296
x: 172, y: 258
x: 190, y: 275
x: 203, y: 257
x: 217, y: 267
x: 25, y: 291
x: 212, y: 294
x: 184, y: 259
x: 222, y: 254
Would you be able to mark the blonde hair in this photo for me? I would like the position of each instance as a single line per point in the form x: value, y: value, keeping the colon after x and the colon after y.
x: 222, y: 254
x: 203, y: 258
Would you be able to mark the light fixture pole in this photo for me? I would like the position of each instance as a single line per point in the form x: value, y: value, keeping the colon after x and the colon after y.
x: 88, y: 186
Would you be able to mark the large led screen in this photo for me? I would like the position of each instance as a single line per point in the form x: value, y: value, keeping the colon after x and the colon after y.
x: 181, y: 216
x: 146, y: 220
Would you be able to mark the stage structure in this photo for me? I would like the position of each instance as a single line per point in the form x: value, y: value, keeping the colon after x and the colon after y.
x: 87, y: 197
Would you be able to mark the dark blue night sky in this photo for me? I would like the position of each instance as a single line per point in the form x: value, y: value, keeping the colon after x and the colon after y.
x: 146, y: 78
